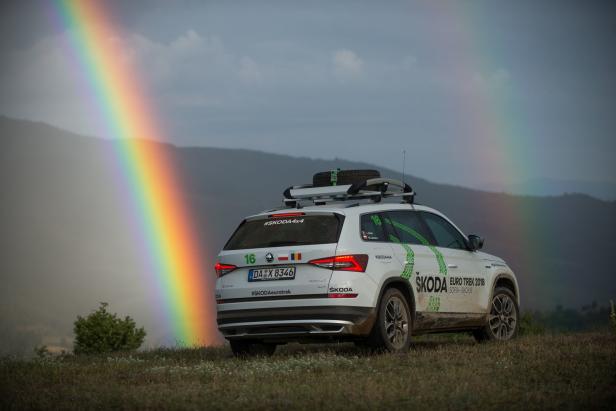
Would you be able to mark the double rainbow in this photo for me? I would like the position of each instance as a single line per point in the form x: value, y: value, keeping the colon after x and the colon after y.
x: 164, y: 219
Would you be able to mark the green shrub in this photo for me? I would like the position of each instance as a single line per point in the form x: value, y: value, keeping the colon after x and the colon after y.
x: 103, y: 332
x: 530, y: 326
x: 613, y: 316
x: 42, y: 352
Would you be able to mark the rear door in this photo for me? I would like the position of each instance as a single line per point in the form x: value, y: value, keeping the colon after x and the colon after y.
x: 422, y: 267
x: 272, y: 253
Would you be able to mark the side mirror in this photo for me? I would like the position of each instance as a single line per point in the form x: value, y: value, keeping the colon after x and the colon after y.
x: 475, y: 242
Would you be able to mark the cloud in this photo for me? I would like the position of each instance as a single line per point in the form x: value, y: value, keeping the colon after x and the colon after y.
x: 347, y: 64
x: 190, y: 56
x: 189, y: 71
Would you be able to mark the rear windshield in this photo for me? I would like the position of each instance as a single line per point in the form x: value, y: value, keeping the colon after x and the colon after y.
x: 280, y: 232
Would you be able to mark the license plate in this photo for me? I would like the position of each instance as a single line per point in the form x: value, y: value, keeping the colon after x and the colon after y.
x: 271, y: 274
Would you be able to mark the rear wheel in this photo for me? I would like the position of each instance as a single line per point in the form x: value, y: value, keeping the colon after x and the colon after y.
x: 392, y: 330
x: 242, y: 348
x: 502, y: 324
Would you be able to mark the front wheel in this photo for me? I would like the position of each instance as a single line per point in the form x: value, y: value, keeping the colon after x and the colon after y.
x: 242, y: 348
x: 392, y: 330
x: 502, y: 321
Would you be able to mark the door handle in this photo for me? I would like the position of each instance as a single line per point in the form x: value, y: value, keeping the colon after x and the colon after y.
x: 452, y: 266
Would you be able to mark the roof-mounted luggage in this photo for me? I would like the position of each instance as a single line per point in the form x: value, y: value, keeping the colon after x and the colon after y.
x: 342, y: 177
x: 348, y: 185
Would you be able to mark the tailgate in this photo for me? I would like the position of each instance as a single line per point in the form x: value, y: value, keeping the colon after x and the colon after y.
x: 271, y: 255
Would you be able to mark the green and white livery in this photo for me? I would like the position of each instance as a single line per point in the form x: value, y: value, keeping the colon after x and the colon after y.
x: 347, y: 260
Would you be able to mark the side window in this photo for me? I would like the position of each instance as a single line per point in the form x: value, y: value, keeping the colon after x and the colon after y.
x: 444, y: 233
x: 406, y: 227
x: 372, y: 228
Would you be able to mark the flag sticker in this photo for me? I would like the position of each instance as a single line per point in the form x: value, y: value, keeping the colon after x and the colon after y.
x: 291, y: 256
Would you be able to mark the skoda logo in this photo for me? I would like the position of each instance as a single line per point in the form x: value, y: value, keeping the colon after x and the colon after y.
x: 269, y: 257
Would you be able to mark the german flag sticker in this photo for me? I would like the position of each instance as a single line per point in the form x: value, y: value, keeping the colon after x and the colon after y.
x: 295, y: 256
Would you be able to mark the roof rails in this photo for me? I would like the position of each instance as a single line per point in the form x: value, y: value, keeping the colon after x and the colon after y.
x: 379, y: 189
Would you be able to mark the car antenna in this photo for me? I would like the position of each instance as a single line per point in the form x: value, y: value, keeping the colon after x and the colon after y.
x: 403, y: 165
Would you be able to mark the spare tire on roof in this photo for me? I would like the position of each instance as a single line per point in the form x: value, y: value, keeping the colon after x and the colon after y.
x: 343, y: 177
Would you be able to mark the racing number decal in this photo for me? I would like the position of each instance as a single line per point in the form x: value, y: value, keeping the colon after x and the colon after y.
x: 250, y: 258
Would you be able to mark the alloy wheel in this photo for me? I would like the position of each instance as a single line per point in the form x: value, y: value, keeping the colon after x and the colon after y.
x: 503, y: 317
x: 396, y: 322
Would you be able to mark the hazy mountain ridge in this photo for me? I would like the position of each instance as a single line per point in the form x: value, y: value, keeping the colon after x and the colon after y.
x: 69, y: 241
x: 603, y: 190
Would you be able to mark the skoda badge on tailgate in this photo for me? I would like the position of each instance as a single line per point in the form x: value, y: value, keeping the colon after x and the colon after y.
x: 269, y: 257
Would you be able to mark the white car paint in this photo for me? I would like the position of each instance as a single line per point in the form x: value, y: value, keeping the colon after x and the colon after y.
x: 301, y: 308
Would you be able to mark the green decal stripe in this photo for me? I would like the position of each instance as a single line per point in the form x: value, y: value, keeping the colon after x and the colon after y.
x: 442, y: 267
x: 410, y: 258
x: 375, y: 219
x: 434, y: 303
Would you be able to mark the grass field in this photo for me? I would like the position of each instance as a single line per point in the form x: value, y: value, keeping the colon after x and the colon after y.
x: 576, y: 371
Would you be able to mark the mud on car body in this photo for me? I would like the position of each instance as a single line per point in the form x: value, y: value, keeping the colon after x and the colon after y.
x: 342, y: 261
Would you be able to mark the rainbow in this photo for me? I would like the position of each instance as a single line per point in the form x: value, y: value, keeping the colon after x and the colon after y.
x: 162, y: 216
x: 504, y: 150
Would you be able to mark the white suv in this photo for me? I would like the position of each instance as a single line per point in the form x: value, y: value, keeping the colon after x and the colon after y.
x: 352, y: 265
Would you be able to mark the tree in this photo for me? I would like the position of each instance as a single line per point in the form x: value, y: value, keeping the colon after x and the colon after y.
x: 103, y: 332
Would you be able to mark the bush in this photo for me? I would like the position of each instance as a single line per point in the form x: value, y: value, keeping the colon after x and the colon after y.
x: 103, y: 332
x: 42, y: 352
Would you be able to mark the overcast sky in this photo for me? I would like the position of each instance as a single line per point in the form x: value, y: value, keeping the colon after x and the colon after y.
x: 463, y: 87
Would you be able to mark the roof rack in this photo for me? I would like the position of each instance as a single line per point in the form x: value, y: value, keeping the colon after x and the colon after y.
x: 379, y: 189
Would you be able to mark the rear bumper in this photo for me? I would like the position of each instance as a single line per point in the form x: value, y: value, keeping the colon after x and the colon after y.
x: 297, y: 323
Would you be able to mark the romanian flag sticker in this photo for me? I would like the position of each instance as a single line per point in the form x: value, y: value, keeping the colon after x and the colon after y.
x: 291, y: 256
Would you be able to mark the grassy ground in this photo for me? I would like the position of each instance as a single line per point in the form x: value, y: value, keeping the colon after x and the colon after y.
x: 575, y: 371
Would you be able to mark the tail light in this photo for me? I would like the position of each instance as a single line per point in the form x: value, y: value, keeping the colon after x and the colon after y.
x: 222, y: 269
x: 354, y: 262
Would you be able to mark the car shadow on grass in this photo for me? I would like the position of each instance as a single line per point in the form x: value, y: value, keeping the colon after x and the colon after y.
x: 350, y: 349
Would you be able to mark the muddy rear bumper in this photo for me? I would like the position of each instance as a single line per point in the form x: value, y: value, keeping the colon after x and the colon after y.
x: 297, y: 323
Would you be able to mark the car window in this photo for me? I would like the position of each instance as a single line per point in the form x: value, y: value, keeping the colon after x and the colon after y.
x: 281, y: 232
x: 372, y: 228
x: 406, y: 227
x: 443, y: 232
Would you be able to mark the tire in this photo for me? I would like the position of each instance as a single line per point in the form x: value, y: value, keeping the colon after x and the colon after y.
x: 391, y: 318
x: 503, y: 318
x: 344, y: 177
x: 242, y: 348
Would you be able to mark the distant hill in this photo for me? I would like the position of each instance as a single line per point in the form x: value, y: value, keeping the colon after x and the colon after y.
x: 67, y: 239
x: 554, y: 187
